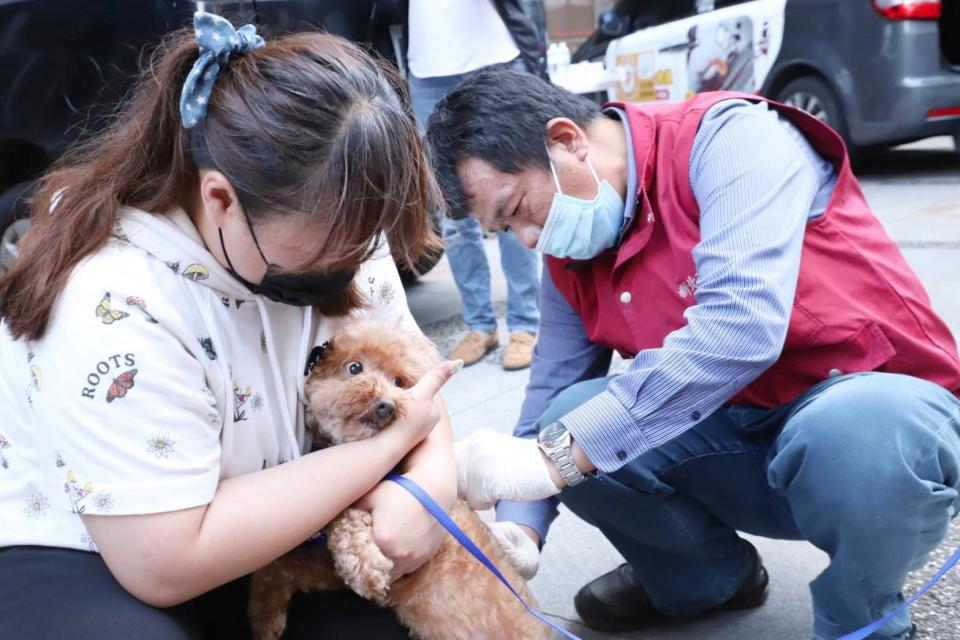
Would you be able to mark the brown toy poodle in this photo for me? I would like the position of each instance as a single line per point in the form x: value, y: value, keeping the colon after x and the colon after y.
x: 354, y: 390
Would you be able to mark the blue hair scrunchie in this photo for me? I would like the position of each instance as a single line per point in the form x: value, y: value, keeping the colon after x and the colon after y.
x: 217, y: 39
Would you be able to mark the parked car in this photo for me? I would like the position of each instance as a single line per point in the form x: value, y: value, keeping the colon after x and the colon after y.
x: 880, y: 72
x: 64, y: 64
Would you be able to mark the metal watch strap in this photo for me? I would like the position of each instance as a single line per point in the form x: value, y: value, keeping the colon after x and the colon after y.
x: 561, y: 455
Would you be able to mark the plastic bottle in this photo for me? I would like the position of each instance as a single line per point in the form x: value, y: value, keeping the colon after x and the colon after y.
x: 553, y: 53
x: 563, y: 62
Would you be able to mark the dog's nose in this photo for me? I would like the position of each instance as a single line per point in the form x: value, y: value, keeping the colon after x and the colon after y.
x: 383, y: 410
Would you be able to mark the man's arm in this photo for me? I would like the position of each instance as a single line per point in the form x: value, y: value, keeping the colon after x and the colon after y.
x: 563, y: 356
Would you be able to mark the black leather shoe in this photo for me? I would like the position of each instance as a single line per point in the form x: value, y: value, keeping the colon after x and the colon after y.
x: 616, y: 601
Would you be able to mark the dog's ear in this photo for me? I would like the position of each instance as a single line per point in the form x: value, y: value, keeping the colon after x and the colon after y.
x: 316, y: 355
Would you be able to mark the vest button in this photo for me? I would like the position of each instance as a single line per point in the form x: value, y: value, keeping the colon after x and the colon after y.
x: 625, y: 297
x: 834, y: 373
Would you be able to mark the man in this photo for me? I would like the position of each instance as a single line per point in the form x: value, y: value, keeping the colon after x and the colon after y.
x: 789, y: 378
x: 447, y: 40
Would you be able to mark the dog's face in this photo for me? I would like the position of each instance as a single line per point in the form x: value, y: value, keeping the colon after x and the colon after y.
x: 357, y: 387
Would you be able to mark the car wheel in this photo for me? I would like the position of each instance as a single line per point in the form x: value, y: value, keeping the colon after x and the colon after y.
x: 813, y: 95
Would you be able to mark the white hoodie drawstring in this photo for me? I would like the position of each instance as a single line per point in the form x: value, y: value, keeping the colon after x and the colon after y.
x: 288, y: 423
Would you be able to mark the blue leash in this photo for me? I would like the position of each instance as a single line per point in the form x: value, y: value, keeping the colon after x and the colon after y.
x: 860, y: 634
x: 447, y: 523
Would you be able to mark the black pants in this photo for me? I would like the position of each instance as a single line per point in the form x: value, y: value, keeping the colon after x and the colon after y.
x: 48, y: 593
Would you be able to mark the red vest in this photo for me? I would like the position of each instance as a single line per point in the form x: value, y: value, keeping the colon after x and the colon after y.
x: 858, y: 306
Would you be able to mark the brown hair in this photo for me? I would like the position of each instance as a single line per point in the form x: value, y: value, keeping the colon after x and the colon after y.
x: 308, y: 125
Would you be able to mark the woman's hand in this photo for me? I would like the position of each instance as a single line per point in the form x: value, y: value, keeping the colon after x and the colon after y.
x: 422, y: 408
x: 492, y: 467
x: 405, y: 532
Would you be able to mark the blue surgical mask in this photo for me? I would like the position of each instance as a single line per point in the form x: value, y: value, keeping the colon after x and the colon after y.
x: 582, y: 229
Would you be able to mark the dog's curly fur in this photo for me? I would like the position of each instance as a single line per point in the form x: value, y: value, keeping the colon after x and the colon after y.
x: 452, y: 597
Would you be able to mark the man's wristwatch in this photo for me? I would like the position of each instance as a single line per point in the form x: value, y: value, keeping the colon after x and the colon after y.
x: 555, y: 441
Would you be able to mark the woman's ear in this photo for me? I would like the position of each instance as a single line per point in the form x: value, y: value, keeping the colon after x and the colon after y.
x: 218, y: 198
x: 564, y: 135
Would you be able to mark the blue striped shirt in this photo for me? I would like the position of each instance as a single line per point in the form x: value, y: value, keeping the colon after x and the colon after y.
x: 757, y: 182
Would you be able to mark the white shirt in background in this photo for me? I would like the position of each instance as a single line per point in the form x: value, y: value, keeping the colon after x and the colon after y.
x: 450, y: 37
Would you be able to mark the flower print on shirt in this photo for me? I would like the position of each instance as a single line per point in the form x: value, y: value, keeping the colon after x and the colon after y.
x: 106, y: 314
x: 134, y: 301
x: 4, y: 444
x: 75, y: 493
x: 103, y: 502
x: 36, y: 379
x: 37, y: 506
x: 387, y: 293
x: 161, y: 445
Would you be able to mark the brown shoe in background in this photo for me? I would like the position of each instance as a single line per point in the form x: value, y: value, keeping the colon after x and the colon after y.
x: 473, y: 346
x: 519, y: 351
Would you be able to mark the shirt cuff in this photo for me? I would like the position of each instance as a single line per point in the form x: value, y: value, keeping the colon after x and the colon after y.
x: 537, y: 515
x: 606, y: 431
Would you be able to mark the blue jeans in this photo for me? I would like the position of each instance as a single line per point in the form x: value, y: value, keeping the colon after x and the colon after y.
x: 866, y: 467
x: 463, y: 241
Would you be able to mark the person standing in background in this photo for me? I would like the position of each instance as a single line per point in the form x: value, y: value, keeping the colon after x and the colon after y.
x: 445, y: 42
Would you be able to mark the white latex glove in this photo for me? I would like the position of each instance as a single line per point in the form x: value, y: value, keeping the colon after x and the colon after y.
x: 521, y: 551
x: 492, y: 466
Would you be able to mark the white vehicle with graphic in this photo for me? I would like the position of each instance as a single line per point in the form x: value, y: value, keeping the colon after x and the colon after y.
x: 880, y: 72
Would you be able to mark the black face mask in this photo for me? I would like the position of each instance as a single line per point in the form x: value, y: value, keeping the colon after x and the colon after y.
x: 295, y: 289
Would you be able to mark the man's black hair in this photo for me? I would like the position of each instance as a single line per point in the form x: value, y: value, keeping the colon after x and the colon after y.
x: 499, y: 116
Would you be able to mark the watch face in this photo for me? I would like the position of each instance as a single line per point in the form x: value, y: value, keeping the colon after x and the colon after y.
x: 552, y: 432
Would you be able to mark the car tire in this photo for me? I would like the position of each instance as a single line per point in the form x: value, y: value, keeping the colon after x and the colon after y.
x: 13, y: 207
x: 813, y: 95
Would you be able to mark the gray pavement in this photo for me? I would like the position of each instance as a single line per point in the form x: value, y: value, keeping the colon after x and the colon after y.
x: 915, y: 190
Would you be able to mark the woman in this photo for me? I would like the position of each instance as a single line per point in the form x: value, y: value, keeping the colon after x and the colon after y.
x: 181, y: 266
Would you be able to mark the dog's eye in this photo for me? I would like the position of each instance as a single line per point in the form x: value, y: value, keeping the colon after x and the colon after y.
x: 398, y: 382
x: 354, y: 368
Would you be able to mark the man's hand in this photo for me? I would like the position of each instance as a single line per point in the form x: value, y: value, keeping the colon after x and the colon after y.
x: 405, y: 532
x: 519, y: 546
x: 492, y: 466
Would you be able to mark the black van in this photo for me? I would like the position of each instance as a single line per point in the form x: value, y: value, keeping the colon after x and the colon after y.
x: 66, y: 63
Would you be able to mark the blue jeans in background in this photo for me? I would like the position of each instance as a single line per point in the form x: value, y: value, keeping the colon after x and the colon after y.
x: 866, y: 467
x: 463, y: 241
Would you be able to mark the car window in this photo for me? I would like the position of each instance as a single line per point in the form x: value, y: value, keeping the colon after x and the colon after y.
x: 651, y: 14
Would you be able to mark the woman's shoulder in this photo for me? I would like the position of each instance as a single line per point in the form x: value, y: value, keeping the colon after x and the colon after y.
x: 120, y: 269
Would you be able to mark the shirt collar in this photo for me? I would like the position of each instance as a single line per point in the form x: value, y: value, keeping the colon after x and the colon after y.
x: 630, y: 201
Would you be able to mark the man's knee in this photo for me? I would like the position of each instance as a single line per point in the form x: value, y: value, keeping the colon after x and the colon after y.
x: 865, y: 435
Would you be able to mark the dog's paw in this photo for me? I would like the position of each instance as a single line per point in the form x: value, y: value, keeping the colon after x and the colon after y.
x: 357, y: 558
x: 269, y: 628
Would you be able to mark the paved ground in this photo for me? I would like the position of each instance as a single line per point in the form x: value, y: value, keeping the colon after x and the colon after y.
x: 915, y: 190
